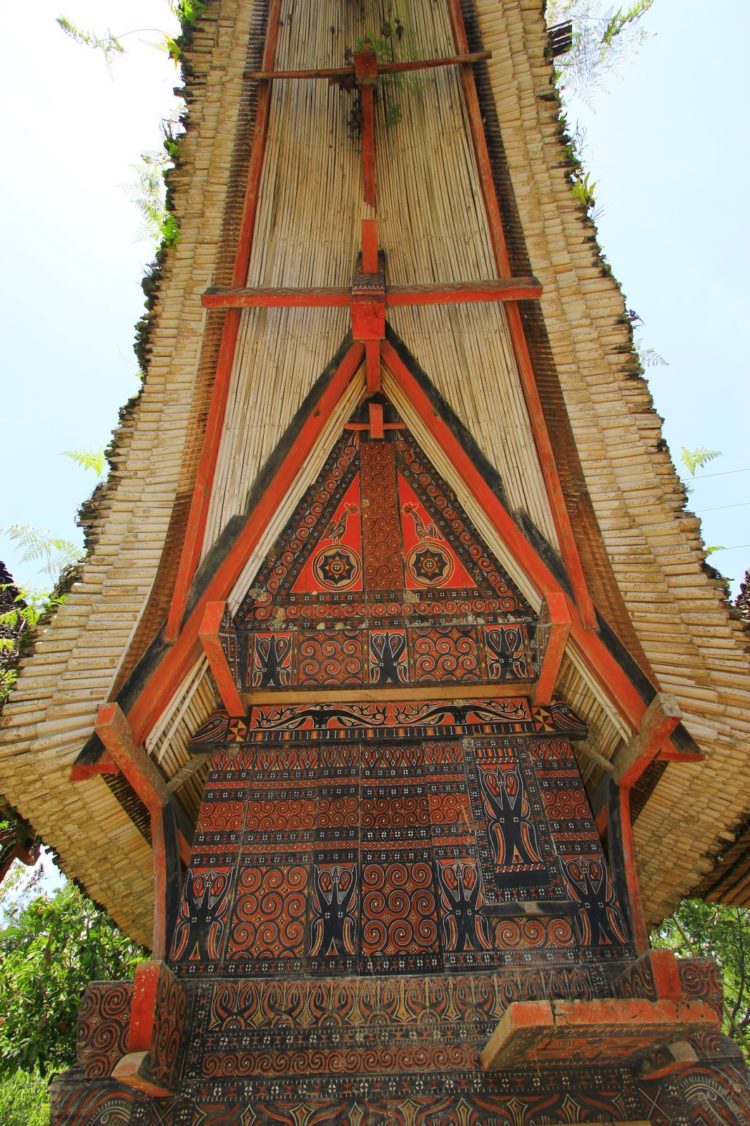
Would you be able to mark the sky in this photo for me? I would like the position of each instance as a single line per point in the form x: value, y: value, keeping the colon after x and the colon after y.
x: 666, y: 144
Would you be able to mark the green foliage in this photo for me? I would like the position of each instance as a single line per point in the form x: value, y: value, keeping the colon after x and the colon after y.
x: 187, y: 11
x: 584, y: 189
x: 603, y: 37
x: 24, y: 1099
x: 88, y: 459
x: 50, y: 948
x: 107, y: 43
x: 713, y: 930
x: 621, y: 19
x: 40, y: 546
x: 697, y: 458
x: 649, y: 357
x: 148, y: 196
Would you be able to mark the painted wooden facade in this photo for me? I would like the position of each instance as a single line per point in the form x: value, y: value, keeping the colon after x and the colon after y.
x: 394, y: 671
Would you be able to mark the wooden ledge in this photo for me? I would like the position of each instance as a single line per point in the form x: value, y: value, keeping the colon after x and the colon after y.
x: 591, y: 1032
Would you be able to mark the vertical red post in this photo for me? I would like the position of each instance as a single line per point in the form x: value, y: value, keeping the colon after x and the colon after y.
x: 366, y: 73
x: 640, y: 933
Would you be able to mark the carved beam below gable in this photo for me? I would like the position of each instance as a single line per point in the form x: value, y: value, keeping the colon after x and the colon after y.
x: 208, y: 635
x: 555, y: 623
x: 659, y: 721
x: 168, y: 844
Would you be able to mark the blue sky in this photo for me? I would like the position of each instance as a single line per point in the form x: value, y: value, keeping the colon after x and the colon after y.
x: 667, y: 146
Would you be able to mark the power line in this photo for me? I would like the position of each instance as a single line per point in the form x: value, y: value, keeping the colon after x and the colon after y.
x: 721, y: 507
x: 722, y: 473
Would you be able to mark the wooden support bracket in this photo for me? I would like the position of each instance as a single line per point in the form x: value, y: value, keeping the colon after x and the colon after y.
x: 114, y: 730
x: 208, y: 635
x: 659, y: 721
x: 555, y: 619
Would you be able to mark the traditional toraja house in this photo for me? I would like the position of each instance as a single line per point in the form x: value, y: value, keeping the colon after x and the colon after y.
x: 395, y: 699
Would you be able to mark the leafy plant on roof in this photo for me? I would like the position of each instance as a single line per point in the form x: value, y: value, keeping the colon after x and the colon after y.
x: 95, y: 460
x: 603, y: 37
x: 386, y: 44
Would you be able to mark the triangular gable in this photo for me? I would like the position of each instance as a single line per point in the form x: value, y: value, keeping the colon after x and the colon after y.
x: 380, y: 579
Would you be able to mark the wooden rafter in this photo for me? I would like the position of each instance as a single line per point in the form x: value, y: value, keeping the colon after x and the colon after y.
x: 196, y: 525
x: 555, y: 619
x: 534, y: 407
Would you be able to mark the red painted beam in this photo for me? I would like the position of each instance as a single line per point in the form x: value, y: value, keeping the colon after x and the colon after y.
x: 82, y: 771
x: 534, y: 407
x: 196, y: 526
x: 175, y: 665
x: 589, y: 646
x: 369, y: 246
x: 461, y: 293
x: 558, y: 623
x: 458, y: 293
x: 276, y: 298
x: 366, y: 74
x: 657, y: 724
x: 208, y: 635
x: 640, y: 931
x: 115, y: 732
x: 376, y: 420
x: 384, y: 68
x: 372, y: 354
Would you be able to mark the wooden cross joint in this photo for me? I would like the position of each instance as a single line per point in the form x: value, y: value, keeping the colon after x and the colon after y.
x: 209, y: 635
x: 659, y: 721
x: 554, y: 628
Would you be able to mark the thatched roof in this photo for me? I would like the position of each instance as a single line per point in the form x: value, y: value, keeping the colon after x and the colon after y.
x: 667, y: 620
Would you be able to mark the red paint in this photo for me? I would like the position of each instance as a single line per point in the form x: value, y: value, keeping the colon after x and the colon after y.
x: 640, y: 932
x: 537, y: 420
x: 196, y: 526
x: 279, y: 298
x: 208, y: 635
x: 175, y: 665
x: 458, y: 293
x: 372, y: 355
x: 559, y: 630
x: 82, y: 771
x: 463, y: 293
x: 143, y: 1006
x: 366, y: 73
x: 368, y: 318
x: 369, y: 246
x: 376, y: 420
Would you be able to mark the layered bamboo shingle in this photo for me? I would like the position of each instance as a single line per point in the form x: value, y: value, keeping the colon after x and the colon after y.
x: 641, y: 551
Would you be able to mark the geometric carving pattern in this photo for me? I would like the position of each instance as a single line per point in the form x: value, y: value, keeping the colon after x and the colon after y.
x: 102, y: 1031
x: 381, y: 578
x: 395, y: 858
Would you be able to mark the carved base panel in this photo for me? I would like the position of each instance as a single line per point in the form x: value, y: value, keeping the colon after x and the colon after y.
x: 400, y: 1050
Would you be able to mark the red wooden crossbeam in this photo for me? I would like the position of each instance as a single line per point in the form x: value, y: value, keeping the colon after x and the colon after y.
x: 343, y: 72
x: 457, y: 293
